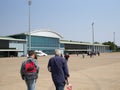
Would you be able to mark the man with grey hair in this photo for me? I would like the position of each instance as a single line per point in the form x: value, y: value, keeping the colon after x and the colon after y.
x: 57, y: 65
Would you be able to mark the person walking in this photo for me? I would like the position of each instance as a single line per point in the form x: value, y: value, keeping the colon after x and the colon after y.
x: 29, y: 70
x: 66, y: 56
x: 57, y: 65
x: 83, y: 56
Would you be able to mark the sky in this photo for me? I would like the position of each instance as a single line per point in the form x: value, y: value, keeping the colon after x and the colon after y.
x: 71, y: 18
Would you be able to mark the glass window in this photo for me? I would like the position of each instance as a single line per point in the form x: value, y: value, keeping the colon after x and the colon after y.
x: 46, y: 44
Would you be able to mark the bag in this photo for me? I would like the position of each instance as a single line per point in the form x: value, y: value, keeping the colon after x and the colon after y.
x: 69, y: 87
x: 30, y: 67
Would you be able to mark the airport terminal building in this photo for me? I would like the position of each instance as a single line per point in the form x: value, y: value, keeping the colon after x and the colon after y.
x: 47, y: 41
x: 10, y: 47
x: 74, y: 47
x: 44, y: 40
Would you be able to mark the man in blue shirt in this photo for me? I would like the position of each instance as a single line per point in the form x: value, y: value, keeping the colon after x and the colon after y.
x: 57, y: 65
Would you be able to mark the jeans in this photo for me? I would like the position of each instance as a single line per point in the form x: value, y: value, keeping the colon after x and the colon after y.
x: 60, y: 86
x: 31, y: 84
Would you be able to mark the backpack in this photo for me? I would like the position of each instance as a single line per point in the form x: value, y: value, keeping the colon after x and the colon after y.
x: 30, y: 67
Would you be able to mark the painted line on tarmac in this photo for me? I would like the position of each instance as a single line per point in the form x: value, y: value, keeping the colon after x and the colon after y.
x: 52, y: 87
x: 94, y: 82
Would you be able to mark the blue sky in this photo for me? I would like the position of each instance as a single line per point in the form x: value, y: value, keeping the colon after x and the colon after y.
x: 71, y: 18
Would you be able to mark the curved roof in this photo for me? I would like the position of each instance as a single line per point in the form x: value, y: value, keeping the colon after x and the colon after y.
x: 46, y: 33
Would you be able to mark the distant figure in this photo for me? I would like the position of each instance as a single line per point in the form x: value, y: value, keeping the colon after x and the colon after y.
x: 29, y: 70
x: 77, y: 54
x: 98, y: 53
x: 83, y: 56
x: 66, y: 56
x: 57, y: 65
x: 91, y: 54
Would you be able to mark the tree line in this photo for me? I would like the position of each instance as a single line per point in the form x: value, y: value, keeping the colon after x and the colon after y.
x: 112, y: 46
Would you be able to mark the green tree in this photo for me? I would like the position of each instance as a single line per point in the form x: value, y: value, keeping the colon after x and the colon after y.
x: 96, y: 43
x: 112, y: 45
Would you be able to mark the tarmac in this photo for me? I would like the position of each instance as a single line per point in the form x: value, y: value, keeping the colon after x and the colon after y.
x: 96, y: 73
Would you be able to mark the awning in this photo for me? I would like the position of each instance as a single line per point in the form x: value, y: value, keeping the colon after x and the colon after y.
x: 78, y: 50
x: 15, y: 50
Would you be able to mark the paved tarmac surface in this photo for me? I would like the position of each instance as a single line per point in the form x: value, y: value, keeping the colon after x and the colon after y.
x: 97, y: 73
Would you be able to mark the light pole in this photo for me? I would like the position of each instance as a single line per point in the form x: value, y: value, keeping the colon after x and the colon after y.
x: 29, y: 43
x: 93, y: 36
x: 114, y: 37
x: 114, y: 40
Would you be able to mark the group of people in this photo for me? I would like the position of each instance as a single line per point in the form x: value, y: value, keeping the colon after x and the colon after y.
x: 57, y: 66
x: 93, y: 53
